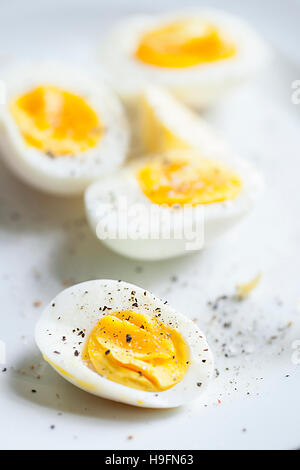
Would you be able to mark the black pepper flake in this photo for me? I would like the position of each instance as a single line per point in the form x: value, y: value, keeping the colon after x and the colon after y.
x: 199, y: 384
x: 56, y: 352
x: 128, y: 338
x: 76, y: 353
x: 107, y: 352
x: 4, y: 370
x: 135, y: 304
x: 33, y: 391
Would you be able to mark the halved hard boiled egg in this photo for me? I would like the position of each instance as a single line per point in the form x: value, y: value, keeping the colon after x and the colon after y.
x: 59, y: 130
x: 118, y: 341
x: 197, y: 54
x: 179, y: 199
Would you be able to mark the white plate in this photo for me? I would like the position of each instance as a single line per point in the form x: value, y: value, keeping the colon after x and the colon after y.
x: 45, y: 243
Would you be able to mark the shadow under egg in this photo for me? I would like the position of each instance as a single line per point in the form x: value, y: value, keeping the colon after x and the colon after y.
x: 51, y: 391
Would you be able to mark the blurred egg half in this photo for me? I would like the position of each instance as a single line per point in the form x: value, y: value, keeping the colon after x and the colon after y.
x: 197, y: 54
x: 59, y: 130
x: 186, y: 191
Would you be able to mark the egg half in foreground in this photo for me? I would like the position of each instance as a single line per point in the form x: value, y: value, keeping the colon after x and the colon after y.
x: 59, y: 130
x: 196, y: 54
x: 120, y: 342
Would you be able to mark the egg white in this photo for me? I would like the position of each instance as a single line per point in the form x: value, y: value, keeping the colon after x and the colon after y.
x: 169, y: 114
x: 79, y: 307
x: 199, y: 85
x: 62, y: 175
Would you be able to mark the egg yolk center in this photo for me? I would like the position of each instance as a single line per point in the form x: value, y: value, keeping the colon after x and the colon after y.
x: 138, y: 351
x: 183, y: 44
x: 56, y: 121
x: 178, y: 181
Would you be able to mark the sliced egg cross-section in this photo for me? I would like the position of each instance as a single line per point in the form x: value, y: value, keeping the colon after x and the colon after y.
x: 118, y: 341
x: 59, y: 129
x: 198, y: 55
x: 189, y: 186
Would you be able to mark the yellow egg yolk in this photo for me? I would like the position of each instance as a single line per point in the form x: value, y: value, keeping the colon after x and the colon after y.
x: 183, y: 44
x: 138, y: 351
x: 178, y: 181
x: 56, y: 121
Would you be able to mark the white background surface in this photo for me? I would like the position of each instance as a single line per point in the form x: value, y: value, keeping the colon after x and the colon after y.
x: 45, y: 244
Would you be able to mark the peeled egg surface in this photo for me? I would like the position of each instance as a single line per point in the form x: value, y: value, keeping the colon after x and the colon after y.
x: 120, y: 342
x: 59, y: 129
x: 197, y: 54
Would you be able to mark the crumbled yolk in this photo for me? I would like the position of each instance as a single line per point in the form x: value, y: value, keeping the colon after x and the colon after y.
x: 183, y: 44
x: 56, y: 121
x: 244, y: 290
x: 138, y: 351
x: 172, y: 181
